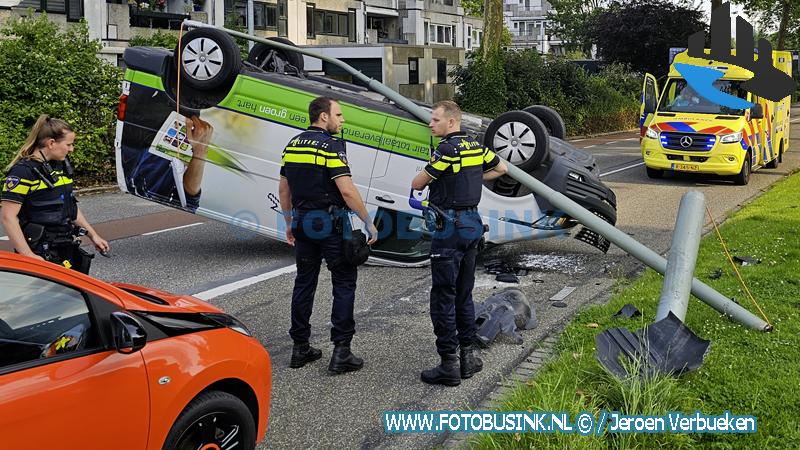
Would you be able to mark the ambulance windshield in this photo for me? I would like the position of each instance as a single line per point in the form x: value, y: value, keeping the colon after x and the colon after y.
x: 680, y: 97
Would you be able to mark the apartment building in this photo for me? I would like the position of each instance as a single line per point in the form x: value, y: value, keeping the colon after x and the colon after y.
x: 410, y: 45
x: 529, y: 26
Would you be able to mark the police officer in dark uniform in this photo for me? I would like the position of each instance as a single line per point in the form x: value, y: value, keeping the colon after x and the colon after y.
x: 315, y: 191
x: 455, y: 172
x: 39, y: 211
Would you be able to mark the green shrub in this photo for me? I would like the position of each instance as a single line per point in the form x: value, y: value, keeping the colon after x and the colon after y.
x: 607, y: 101
x: 159, y: 39
x: 44, y: 69
x: 484, y: 89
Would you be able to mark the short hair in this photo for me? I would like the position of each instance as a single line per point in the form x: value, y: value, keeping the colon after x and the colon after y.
x: 450, y: 109
x: 318, y: 106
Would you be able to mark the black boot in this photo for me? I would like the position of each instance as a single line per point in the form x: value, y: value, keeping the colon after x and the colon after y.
x: 445, y: 373
x: 470, y: 363
x: 303, y: 354
x: 343, y: 360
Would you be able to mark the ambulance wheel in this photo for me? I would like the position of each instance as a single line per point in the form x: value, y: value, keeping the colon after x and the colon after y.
x: 266, y: 57
x: 654, y: 173
x: 209, y: 59
x: 518, y: 137
x: 744, y: 175
x: 550, y: 118
x: 780, y: 154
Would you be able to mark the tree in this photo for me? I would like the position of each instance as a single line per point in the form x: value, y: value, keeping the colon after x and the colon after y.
x: 640, y: 33
x: 784, y: 12
x: 473, y: 7
x: 569, y: 19
x: 44, y: 69
x: 493, y: 28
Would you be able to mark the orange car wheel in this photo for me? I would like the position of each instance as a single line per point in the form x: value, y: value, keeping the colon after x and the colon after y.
x: 213, y: 421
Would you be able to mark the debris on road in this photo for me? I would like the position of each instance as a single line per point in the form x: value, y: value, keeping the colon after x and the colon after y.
x: 504, y: 313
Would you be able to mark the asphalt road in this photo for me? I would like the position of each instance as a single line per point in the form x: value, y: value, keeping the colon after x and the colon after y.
x: 311, y: 409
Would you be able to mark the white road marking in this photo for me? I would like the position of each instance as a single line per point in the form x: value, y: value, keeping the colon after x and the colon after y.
x: 578, y: 140
x: 631, y: 139
x: 3, y: 238
x: 171, y: 229
x: 622, y: 169
x: 230, y: 287
x: 612, y: 142
x: 590, y: 146
x: 795, y: 120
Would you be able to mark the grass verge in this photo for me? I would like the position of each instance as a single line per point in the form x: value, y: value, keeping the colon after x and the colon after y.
x: 745, y: 372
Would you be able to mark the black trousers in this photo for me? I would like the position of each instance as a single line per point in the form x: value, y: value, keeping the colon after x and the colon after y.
x: 316, y: 238
x: 453, y: 252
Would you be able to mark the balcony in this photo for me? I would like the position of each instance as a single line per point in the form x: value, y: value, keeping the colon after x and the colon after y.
x: 149, y: 18
x: 384, y: 4
x: 525, y: 11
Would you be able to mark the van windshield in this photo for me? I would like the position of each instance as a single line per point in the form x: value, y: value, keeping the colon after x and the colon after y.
x: 680, y: 97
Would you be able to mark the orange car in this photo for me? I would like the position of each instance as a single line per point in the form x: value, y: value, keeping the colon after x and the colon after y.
x: 91, y: 365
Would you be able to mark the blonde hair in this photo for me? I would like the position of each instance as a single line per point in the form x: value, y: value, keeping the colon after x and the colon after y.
x: 45, y: 128
x: 450, y: 109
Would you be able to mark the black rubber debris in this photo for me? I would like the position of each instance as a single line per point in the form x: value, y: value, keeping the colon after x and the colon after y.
x: 666, y: 347
x: 504, y: 313
x: 746, y: 260
x: 628, y: 311
x: 716, y: 274
x: 507, y: 278
x: 559, y: 304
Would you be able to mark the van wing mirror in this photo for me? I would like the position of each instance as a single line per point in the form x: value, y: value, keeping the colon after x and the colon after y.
x: 129, y: 335
x: 757, y: 112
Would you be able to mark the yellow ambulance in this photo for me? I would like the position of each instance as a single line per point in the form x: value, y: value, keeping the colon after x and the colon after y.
x: 682, y: 131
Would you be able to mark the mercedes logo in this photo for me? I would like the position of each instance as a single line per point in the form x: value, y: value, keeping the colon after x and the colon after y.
x: 686, y: 141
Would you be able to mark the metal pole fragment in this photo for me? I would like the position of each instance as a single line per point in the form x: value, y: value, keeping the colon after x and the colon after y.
x: 682, y: 257
x: 652, y: 259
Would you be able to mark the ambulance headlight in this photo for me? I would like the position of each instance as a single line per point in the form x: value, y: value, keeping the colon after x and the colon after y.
x: 651, y: 133
x: 731, y: 138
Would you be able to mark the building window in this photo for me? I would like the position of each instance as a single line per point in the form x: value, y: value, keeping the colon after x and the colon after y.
x: 441, y: 71
x: 282, y: 18
x: 335, y: 23
x: 259, y: 16
x: 310, y: 21
x: 413, y: 70
x: 72, y: 8
x: 351, y: 25
x: 469, y: 37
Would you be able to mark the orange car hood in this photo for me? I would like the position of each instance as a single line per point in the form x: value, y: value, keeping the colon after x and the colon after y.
x: 175, y: 303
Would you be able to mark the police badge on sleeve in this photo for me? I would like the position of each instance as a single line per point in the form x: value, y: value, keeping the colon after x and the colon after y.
x: 11, y: 183
x: 436, y: 156
x: 343, y: 157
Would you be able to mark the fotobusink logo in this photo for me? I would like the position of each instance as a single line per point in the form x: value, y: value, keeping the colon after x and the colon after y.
x: 767, y: 82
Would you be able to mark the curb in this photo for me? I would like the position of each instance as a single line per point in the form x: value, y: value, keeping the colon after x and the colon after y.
x: 102, y: 189
x: 590, y: 136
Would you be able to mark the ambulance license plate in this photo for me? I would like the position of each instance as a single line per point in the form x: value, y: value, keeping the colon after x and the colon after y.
x: 687, y: 167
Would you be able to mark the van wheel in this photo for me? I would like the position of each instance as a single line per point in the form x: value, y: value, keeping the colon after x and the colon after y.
x: 520, y: 138
x: 209, y: 58
x: 744, y: 175
x: 213, y: 420
x: 654, y: 173
x: 273, y: 59
x: 552, y: 121
x: 780, y: 154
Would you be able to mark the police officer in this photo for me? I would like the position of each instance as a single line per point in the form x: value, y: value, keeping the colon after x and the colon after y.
x: 39, y: 210
x: 455, y: 173
x: 315, y: 188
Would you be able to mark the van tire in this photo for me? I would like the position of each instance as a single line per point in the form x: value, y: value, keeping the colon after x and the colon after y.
x: 744, y: 174
x: 654, y: 173
x: 520, y: 138
x: 220, y: 63
x: 260, y: 51
x: 552, y: 121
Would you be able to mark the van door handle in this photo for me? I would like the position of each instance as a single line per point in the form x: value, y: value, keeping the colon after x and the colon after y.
x: 386, y: 199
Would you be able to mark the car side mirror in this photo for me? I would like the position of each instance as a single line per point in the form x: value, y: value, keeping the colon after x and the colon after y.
x: 757, y: 112
x: 129, y: 335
